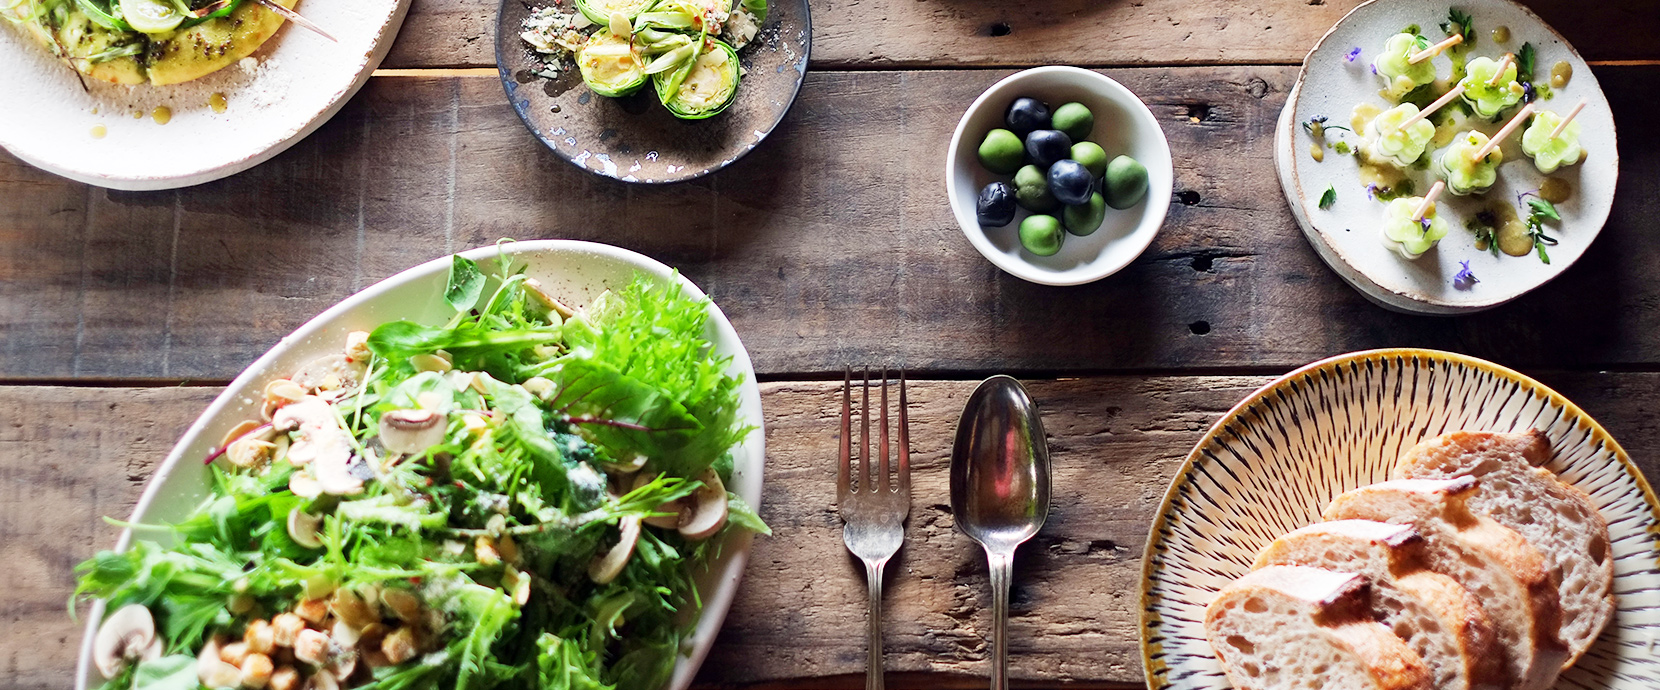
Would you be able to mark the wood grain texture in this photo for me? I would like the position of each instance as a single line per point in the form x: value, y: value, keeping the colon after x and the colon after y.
x: 981, y: 33
x: 830, y: 244
x: 71, y: 455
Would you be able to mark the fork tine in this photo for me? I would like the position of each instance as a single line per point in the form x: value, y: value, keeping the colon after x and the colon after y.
x: 867, y: 473
x: 843, y: 473
x: 904, y: 440
x: 886, y: 484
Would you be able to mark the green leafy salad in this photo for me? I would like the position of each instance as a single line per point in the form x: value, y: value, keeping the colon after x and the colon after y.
x: 519, y: 498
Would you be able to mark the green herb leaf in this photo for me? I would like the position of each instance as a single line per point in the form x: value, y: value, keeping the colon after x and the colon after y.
x: 1543, y: 209
x: 1329, y: 197
x: 739, y: 513
x: 465, y: 285
x: 1540, y: 245
x: 757, y: 8
x: 1524, y: 63
x: 1459, y: 22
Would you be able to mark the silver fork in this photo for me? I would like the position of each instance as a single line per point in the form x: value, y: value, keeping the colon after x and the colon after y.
x: 872, y: 503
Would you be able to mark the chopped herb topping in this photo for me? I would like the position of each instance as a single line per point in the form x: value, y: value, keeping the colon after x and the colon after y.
x: 1328, y: 198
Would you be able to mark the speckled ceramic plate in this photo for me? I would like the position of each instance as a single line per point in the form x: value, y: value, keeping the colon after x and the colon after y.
x: 295, y: 83
x: 1347, y: 235
x: 1273, y: 462
x: 635, y: 139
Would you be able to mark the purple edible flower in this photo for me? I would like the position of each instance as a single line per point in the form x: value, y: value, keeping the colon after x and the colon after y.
x: 1374, y: 69
x: 1522, y: 197
x: 1464, y: 279
x: 1372, y: 192
x: 1425, y: 223
x: 1352, y: 54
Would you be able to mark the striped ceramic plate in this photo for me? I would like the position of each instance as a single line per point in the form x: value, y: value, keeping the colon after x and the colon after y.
x: 1277, y: 458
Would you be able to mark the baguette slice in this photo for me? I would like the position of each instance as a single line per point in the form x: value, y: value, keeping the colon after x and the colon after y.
x: 1432, y: 613
x: 1287, y: 627
x: 1488, y: 559
x: 1555, y: 517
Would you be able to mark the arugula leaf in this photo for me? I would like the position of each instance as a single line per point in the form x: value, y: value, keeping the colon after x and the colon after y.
x: 176, y: 672
x: 1328, y: 197
x: 466, y: 283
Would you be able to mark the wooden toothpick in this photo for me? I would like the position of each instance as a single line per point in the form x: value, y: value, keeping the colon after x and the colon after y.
x: 1521, y: 116
x: 1445, y: 98
x: 1436, y: 49
x: 1570, y: 118
x: 1503, y: 64
x: 1429, y: 199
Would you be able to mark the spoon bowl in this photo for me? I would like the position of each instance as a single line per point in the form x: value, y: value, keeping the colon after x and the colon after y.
x: 1000, y: 489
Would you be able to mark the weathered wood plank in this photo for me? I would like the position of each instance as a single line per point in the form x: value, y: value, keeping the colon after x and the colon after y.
x: 831, y: 243
x: 979, y: 33
x: 71, y: 455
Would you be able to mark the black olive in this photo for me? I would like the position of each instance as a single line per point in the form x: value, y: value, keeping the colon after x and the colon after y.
x: 1045, y: 146
x: 1070, y: 182
x: 995, y: 207
x: 1027, y: 114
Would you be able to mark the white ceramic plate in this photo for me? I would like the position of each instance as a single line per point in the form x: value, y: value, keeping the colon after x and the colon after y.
x: 575, y: 271
x: 301, y: 80
x: 1123, y: 126
x: 1347, y: 235
x: 1274, y: 461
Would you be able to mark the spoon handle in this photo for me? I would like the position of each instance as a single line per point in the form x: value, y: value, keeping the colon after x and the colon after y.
x: 1002, y: 571
x: 873, y: 668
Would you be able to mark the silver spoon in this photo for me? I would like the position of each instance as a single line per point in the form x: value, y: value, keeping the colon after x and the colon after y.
x: 1000, y: 490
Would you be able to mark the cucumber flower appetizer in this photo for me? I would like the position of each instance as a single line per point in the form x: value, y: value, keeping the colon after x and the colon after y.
x: 1407, y: 236
x: 1395, y: 67
x: 1460, y: 168
x: 1387, y: 141
x: 1485, y: 97
x: 1551, y: 152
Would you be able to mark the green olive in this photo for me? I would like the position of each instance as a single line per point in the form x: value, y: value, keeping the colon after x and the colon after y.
x: 1031, y: 190
x: 1085, y: 218
x: 1126, y: 182
x: 1091, y: 156
x: 1075, y: 120
x: 1002, y: 152
x: 1041, y: 235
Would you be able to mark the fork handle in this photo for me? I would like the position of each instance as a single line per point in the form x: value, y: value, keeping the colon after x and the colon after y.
x: 873, y: 672
x: 1001, y: 568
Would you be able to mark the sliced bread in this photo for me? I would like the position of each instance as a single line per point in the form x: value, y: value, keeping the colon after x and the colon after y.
x: 1431, y: 612
x: 1490, y: 560
x: 1555, y: 517
x: 1284, y: 627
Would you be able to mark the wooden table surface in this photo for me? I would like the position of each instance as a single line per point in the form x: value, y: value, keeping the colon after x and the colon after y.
x: 121, y: 313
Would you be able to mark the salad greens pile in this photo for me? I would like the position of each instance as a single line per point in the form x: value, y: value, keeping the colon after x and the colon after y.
x: 525, y: 499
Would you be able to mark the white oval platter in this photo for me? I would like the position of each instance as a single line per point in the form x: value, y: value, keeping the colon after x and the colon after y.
x: 294, y: 84
x: 1347, y: 234
x: 575, y: 271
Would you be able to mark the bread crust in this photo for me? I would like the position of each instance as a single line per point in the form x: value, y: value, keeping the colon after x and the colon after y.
x: 1517, y: 459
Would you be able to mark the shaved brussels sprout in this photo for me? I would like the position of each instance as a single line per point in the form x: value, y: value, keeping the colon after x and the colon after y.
x: 611, y: 65
x: 600, y: 11
x: 703, y: 87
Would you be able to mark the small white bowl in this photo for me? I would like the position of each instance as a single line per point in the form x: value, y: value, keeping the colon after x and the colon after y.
x: 1123, y: 126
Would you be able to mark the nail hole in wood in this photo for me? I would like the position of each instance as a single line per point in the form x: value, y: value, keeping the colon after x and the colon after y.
x: 1202, y: 263
x: 1199, y: 327
x: 999, y: 29
x: 1188, y: 197
x: 1198, y: 112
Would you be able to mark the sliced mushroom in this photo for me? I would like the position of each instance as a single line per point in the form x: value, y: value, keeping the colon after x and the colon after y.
x: 357, y: 346
x: 626, y: 467
x: 304, y: 485
x: 429, y: 362
x: 302, y: 528
x: 670, y: 517
x: 705, y: 513
x: 412, y: 431
x: 541, y: 294
x: 241, y: 429
x: 330, y: 373
x: 351, y: 609
x: 606, y: 568
x: 402, y: 603
x: 322, y: 442
x: 127, y: 635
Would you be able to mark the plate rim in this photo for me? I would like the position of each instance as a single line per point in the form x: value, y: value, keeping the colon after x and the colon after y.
x: 508, y: 85
x: 1155, y: 547
x: 1433, y: 307
x: 377, y: 54
x: 724, y: 583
